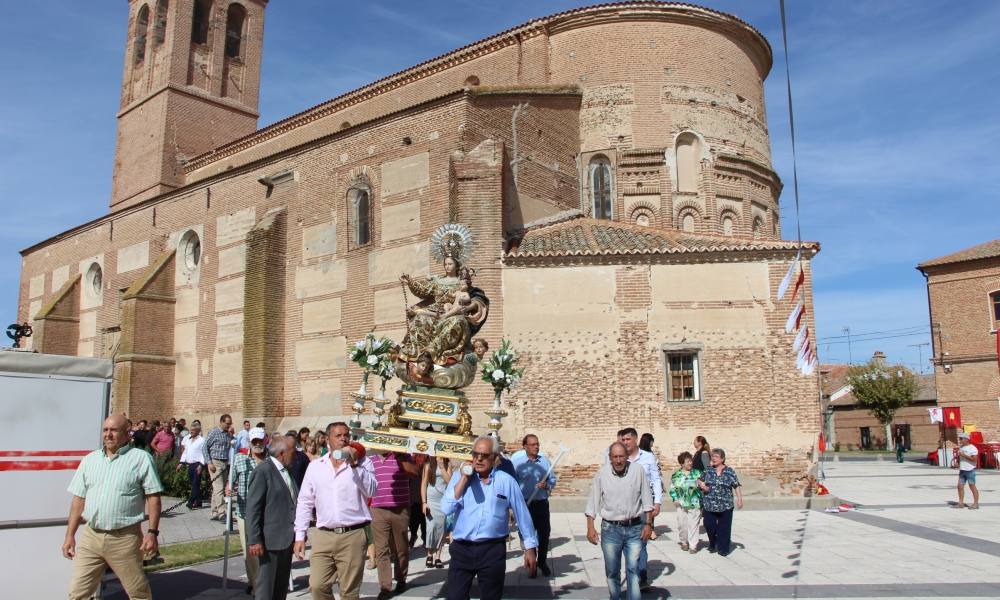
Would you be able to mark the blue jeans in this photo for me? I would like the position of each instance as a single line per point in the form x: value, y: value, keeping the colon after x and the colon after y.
x: 643, y: 557
x: 616, y: 539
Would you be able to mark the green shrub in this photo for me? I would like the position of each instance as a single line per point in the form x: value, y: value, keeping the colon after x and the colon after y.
x: 176, y: 483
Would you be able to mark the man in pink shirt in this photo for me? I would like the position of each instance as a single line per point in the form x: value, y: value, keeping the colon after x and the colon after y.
x: 338, y: 487
x: 391, y: 519
x: 163, y: 441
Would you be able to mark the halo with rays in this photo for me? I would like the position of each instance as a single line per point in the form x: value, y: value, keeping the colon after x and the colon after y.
x: 454, y: 240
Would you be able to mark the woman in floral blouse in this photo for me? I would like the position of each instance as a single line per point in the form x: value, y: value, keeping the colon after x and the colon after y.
x: 719, y: 483
x: 687, y: 498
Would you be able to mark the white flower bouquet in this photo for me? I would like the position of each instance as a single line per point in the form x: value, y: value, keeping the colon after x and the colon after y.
x: 500, y: 370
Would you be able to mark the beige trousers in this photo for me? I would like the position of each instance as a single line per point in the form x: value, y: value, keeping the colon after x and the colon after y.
x: 251, y: 562
x: 391, y: 530
x: 337, y: 558
x: 688, y: 526
x: 117, y: 549
x: 219, y: 479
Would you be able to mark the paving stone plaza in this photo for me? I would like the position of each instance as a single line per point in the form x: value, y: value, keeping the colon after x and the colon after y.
x: 904, y: 541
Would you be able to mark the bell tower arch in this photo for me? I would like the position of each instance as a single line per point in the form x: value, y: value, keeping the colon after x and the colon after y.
x: 191, y: 83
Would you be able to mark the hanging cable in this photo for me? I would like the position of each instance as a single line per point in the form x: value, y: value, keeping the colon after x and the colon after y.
x: 791, y: 125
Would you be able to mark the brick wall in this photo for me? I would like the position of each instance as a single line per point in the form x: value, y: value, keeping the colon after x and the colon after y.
x: 962, y: 333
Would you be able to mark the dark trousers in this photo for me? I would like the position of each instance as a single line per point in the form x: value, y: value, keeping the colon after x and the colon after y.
x: 195, y: 478
x: 486, y: 560
x: 418, y: 522
x: 539, y: 511
x: 719, y: 526
x: 272, y: 575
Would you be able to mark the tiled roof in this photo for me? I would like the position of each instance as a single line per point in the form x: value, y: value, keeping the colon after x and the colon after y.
x: 987, y: 250
x: 926, y: 388
x: 595, y: 237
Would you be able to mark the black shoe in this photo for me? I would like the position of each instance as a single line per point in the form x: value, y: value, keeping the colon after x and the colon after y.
x: 644, y: 585
x: 712, y: 549
x: 384, y: 595
x: 400, y: 588
x: 544, y: 568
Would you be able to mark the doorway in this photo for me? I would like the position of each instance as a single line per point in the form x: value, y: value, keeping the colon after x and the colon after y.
x: 866, y: 438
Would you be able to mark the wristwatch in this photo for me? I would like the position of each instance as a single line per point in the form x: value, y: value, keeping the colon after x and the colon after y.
x: 155, y: 532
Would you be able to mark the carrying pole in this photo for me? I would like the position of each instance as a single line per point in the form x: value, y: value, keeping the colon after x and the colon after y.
x: 229, y: 517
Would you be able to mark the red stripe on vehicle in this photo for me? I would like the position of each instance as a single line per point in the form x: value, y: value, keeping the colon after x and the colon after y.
x: 39, y: 465
x: 8, y: 453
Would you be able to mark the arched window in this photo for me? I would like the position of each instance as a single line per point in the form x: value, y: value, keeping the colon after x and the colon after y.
x: 160, y: 23
x: 600, y: 186
x: 359, y: 203
x: 141, y: 29
x: 995, y: 306
x: 200, y: 20
x: 235, y: 18
x: 189, y: 251
x: 688, y: 162
x: 728, y: 224
x: 758, y: 227
x: 687, y: 222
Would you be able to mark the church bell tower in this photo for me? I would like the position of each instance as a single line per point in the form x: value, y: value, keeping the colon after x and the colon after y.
x: 191, y: 84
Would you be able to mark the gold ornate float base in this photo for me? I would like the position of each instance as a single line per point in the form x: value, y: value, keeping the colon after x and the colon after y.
x: 415, y: 441
x: 416, y: 409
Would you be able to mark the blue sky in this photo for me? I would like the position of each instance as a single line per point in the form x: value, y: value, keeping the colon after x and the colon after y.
x: 895, y: 107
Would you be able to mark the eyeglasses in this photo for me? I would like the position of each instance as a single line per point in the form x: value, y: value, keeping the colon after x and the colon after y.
x: 482, y: 455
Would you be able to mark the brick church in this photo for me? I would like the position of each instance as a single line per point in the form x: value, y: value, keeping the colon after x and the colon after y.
x: 613, y: 163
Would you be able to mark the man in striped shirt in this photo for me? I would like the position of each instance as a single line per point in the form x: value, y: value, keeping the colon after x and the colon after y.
x: 391, y: 519
x: 111, y: 488
x: 217, y: 460
x: 242, y: 470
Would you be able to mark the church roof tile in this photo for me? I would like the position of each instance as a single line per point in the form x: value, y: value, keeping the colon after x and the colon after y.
x: 986, y: 250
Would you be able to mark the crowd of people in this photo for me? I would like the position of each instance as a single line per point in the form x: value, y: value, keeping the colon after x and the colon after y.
x: 359, y: 509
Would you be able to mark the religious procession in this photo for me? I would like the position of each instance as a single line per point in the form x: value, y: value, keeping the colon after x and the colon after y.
x: 489, y: 300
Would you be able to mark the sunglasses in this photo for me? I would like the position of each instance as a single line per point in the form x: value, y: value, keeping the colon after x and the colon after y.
x: 482, y: 455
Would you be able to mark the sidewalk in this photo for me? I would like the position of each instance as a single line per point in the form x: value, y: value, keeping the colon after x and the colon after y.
x: 904, y: 542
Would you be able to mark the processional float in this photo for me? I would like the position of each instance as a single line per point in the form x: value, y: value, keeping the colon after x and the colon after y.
x: 439, y: 356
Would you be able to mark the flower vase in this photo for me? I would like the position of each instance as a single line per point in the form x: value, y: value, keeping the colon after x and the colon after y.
x: 496, y: 413
x: 363, y: 390
x: 380, y: 401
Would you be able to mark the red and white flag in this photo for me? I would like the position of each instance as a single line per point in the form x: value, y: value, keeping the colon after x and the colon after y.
x: 787, y: 279
x: 794, y: 318
x: 798, y: 283
x: 804, y: 354
x: 800, y: 339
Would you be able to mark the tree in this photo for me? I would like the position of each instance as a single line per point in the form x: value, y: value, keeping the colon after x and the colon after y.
x: 882, y: 389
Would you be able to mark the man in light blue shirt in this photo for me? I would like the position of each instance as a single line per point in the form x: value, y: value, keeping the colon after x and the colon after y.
x: 480, y: 497
x: 536, y: 481
x: 243, y: 438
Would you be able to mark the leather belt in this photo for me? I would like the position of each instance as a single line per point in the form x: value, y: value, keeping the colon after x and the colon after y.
x: 498, y: 540
x: 345, y: 529
x: 625, y: 523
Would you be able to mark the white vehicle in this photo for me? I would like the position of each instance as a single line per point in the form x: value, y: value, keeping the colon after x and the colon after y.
x: 52, y: 408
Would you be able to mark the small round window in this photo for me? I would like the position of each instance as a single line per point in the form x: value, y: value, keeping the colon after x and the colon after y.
x: 190, y: 250
x: 94, y: 279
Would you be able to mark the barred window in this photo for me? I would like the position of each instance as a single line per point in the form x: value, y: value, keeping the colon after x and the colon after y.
x: 359, y: 206
x: 600, y: 186
x: 683, y: 379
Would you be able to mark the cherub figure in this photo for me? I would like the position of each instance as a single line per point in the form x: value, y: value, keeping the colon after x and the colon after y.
x: 480, y: 347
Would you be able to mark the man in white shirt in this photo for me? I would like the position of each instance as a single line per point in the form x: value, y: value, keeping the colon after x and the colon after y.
x: 193, y: 455
x: 968, y: 460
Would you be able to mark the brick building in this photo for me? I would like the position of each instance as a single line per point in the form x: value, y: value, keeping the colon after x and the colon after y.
x: 963, y: 294
x: 851, y: 426
x: 613, y: 163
